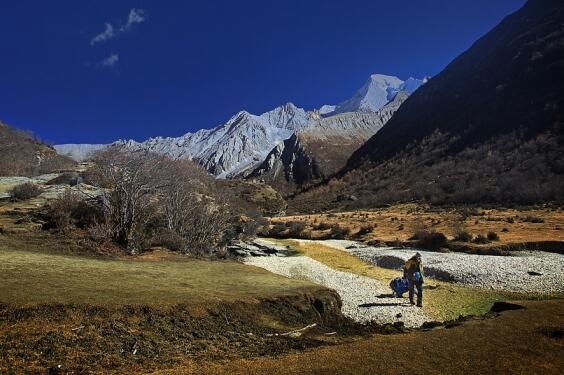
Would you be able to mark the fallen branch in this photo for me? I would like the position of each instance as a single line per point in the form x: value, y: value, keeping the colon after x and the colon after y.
x: 296, y: 331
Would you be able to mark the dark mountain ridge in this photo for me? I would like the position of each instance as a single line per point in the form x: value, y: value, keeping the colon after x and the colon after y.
x: 487, y: 129
x: 510, y: 79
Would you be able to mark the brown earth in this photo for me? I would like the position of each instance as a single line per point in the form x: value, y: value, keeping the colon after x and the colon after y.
x: 133, y: 338
x: 524, y: 341
x: 525, y: 228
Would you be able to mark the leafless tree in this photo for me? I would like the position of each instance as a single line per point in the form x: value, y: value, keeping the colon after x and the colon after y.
x: 133, y: 180
x: 193, y: 210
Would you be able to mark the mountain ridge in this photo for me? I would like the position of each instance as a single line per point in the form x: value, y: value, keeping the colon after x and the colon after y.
x: 239, y: 145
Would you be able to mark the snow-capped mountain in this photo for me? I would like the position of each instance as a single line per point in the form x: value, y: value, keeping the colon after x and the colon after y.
x: 378, y: 90
x: 238, y: 146
x: 322, y: 148
x: 243, y: 141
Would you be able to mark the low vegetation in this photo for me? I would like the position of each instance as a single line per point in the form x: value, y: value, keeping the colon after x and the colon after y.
x: 455, y: 228
x: 508, y: 170
x: 23, y: 155
x: 149, y: 200
x: 24, y: 192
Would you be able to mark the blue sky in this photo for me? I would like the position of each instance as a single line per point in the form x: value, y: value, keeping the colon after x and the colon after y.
x: 77, y: 71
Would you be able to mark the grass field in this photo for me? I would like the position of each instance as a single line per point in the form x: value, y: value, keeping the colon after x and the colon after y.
x: 33, y: 278
x: 445, y: 302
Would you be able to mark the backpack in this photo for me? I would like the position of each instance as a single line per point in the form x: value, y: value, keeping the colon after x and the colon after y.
x: 399, y: 286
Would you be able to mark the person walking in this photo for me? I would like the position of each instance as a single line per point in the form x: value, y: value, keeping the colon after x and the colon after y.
x: 413, y: 271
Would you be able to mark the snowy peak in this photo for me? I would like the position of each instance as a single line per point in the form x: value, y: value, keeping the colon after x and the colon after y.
x: 378, y: 90
x: 245, y: 140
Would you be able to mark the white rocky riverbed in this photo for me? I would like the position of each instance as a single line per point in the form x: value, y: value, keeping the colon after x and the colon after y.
x: 525, y: 272
x: 358, y: 293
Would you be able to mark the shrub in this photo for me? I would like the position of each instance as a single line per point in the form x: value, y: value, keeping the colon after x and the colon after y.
x: 170, y: 240
x: 24, y: 192
x: 277, y: 229
x: 533, y: 219
x: 481, y: 239
x: 429, y: 240
x: 492, y: 236
x: 463, y: 236
x: 296, y: 228
x: 338, y: 232
x: 505, y: 230
x: 365, y: 229
x: 323, y: 226
x: 70, y: 209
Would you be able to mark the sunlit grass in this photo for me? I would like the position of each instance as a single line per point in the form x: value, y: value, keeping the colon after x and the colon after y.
x: 32, y: 277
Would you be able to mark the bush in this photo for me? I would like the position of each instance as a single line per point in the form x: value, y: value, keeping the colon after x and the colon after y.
x: 365, y: 230
x: 170, y: 240
x: 295, y: 228
x: 505, y: 230
x: 24, y: 192
x: 276, y: 230
x: 70, y: 209
x: 481, y: 239
x: 323, y: 226
x: 463, y: 236
x: 430, y: 240
x: 338, y: 232
x: 533, y: 219
x: 492, y: 236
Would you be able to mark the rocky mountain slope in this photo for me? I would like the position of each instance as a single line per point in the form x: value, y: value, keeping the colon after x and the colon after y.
x: 23, y: 155
x: 322, y: 148
x: 241, y: 144
x: 488, y: 128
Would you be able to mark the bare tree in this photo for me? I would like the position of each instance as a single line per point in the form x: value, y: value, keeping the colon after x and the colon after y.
x: 193, y: 209
x: 133, y: 180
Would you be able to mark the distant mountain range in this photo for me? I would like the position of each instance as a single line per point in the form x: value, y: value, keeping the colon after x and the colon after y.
x: 242, y: 144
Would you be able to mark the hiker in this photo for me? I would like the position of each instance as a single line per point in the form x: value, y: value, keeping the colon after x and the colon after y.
x: 413, y: 272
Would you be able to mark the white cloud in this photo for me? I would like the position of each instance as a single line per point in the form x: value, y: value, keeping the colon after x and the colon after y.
x: 135, y: 16
x: 108, y: 33
x: 110, y: 61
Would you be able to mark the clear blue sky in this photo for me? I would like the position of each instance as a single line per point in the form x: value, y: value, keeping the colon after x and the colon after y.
x: 170, y: 67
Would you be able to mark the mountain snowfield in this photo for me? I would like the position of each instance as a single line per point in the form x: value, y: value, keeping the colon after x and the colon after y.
x: 245, y: 140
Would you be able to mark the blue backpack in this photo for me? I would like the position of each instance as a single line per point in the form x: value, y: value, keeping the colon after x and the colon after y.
x: 399, y: 286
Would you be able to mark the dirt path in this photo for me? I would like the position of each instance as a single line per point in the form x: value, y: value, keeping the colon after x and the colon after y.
x: 358, y: 293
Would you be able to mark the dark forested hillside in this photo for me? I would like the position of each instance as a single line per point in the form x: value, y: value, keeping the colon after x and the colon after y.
x: 487, y: 129
x: 511, y: 79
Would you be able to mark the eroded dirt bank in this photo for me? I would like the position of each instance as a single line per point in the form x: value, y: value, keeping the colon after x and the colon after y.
x: 85, y: 338
x: 528, y: 340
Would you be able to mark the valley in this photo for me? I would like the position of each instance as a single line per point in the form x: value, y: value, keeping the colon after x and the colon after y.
x: 416, y: 226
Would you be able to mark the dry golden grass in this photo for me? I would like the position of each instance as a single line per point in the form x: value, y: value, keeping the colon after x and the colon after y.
x: 400, y: 221
x: 34, y: 278
x: 445, y: 302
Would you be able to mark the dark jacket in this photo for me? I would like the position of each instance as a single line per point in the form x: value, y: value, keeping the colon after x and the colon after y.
x: 412, y: 266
